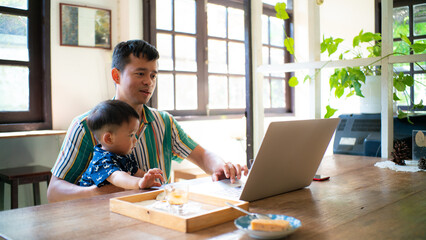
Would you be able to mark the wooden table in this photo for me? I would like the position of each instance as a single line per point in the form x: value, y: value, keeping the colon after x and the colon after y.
x: 359, y: 201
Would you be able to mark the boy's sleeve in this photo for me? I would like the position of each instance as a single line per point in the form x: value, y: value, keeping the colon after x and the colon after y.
x: 102, y: 169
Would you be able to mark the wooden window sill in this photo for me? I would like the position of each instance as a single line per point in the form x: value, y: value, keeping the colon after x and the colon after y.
x: 37, y: 133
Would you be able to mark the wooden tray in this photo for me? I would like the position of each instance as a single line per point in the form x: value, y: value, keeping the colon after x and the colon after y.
x: 217, y: 211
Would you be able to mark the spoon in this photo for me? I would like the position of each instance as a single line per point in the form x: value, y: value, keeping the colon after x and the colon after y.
x: 256, y: 215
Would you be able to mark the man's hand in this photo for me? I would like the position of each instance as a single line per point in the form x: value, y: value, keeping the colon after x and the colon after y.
x: 148, y: 180
x: 229, y: 170
x: 214, y: 165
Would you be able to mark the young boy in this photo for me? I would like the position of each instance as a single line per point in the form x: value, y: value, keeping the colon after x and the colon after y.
x: 114, y: 124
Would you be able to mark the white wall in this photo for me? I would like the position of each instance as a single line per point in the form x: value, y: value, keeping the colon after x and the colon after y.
x: 81, y: 76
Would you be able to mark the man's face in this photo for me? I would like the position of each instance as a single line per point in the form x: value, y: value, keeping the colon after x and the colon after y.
x: 137, y: 81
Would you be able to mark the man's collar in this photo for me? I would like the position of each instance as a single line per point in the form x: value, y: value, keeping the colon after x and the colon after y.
x: 147, y: 115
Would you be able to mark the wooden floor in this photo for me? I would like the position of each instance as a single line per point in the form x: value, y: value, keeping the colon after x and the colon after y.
x: 359, y: 201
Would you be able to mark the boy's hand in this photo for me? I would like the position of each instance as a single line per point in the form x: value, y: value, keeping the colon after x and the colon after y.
x: 149, y: 178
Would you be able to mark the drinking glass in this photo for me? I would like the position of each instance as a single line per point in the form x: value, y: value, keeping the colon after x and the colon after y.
x: 176, y: 196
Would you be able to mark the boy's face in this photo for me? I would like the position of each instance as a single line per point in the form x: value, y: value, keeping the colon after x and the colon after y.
x: 136, y: 82
x: 124, y: 137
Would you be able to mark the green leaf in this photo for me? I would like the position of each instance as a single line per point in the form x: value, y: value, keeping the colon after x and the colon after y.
x: 289, y: 44
x: 281, y: 12
x: 359, y: 75
x: 337, y: 41
x: 395, y: 97
x: 401, y: 114
x: 350, y: 94
x: 323, y: 46
x: 367, y: 37
x: 377, y: 36
x: 330, y: 111
x: 339, y: 91
x: 331, y: 49
x: 334, y: 81
x: 377, y: 50
x: 405, y: 39
x: 306, y: 78
x: 419, y: 105
x: 399, y: 86
x: 293, y: 82
x: 356, y: 41
x: 357, y: 87
x: 418, y: 47
x: 408, y: 80
x: 398, y: 82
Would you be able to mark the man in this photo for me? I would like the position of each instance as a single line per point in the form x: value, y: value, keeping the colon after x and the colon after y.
x: 160, y: 138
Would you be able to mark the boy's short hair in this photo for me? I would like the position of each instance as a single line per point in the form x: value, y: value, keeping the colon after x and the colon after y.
x: 109, y: 115
x: 122, y: 51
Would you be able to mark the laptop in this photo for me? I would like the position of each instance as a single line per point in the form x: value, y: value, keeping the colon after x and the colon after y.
x: 288, y: 158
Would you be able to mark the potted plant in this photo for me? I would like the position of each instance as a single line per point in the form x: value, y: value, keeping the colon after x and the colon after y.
x: 349, y: 81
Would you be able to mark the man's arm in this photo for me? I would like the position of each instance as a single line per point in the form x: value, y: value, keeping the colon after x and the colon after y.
x: 61, y: 190
x: 214, y: 165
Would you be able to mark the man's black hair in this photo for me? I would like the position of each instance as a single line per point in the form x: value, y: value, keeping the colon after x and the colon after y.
x: 110, y: 113
x: 139, y: 48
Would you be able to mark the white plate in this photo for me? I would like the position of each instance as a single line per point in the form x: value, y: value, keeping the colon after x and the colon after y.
x: 243, y: 223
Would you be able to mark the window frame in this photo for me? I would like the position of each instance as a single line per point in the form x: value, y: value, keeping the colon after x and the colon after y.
x: 150, y: 31
x: 411, y: 37
x: 39, y: 115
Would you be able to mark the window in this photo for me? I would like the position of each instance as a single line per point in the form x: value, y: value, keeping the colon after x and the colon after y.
x: 24, y: 65
x: 277, y: 94
x: 409, y: 19
x: 202, y: 57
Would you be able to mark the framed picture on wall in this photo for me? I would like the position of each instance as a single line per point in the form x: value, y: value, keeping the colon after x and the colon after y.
x: 84, y: 26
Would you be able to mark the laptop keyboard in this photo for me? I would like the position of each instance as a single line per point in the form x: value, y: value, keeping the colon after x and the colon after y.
x: 223, y: 188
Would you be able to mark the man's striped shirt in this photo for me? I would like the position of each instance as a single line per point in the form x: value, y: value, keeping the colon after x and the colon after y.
x: 160, y: 140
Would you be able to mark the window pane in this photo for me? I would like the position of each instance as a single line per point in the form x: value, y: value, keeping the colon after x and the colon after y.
x: 400, y: 22
x: 216, y: 20
x: 165, y: 90
x: 185, y: 16
x: 186, y: 92
x: 277, y: 57
x: 277, y: 32
x: 422, y: 64
x: 217, y: 56
x: 237, y: 92
x: 20, y: 4
x: 164, y: 46
x: 236, y: 24
x: 405, y: 99
x: 265, y: 29
x: 218, y: 92
x: 164, y: 14
x: 265, y: 57
x: 266, y: 93
x: 277, y: 93
x: 13, y: 37
x: 419, y: 12
x: 14, y: 88
x: 236, y: 58
x: 185, y: 49
x: 420, y: 88
x: 401, y: 47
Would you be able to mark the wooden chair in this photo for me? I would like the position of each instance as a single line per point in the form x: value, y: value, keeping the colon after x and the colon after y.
x: 23, y: 175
